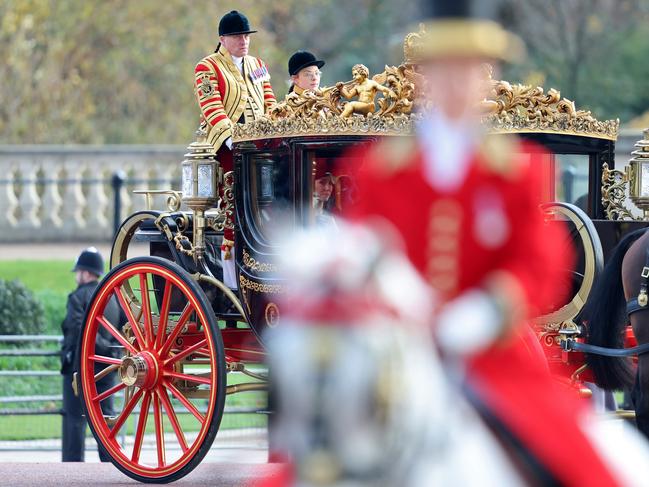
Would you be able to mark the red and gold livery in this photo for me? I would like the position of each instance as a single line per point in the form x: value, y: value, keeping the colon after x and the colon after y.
x: 225, y: 94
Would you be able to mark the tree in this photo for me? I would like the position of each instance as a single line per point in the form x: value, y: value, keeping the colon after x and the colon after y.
x: 578, y: 46
x: 93, y: 71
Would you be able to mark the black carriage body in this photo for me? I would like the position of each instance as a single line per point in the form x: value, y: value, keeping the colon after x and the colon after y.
x: 274, y: 181
x: 577, y: 167
x: 274, y: 191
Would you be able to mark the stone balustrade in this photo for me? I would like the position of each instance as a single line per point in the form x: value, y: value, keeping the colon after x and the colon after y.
x: 64, y: 193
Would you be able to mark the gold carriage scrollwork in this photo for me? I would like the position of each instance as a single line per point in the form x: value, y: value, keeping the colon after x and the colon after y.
x: 508, y: 108
x: 614, y: 191
x: 254, y: 265
x: 261, y: 288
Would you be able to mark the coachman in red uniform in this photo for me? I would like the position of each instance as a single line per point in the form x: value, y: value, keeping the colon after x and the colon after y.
x: 231, y: 87
x: 467, y: 207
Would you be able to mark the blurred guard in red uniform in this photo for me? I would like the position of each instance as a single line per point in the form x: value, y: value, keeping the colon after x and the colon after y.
x: 231, y: 87
x: 466, y: 205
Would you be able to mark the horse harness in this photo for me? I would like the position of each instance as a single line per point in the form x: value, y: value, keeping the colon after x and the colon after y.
x: 635, y: 305
x: 640, y: 303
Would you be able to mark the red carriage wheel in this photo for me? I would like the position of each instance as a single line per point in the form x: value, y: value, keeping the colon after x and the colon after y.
x: 152, y: 369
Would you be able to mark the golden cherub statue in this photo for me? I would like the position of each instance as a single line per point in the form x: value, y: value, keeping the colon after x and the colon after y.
x: 363, y: 87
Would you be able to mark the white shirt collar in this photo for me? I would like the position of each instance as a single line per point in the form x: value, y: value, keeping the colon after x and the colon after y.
x: 447, y: 147
x: 238, y: 62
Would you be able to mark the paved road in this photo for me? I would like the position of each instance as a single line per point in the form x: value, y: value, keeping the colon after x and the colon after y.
x: 63, y: 251
x: 100, y: 474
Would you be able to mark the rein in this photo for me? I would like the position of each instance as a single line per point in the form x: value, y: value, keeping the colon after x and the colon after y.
x: 572, y: 345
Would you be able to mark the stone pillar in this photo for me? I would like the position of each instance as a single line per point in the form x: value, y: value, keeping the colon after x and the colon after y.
x: 8, y: 200
x: 73, y: 199
x: 51, y: 200
x: 29, y: 200
x: 97, y: 202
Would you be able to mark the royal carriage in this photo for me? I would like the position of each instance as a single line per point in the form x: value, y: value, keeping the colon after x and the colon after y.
x: 181, y: 331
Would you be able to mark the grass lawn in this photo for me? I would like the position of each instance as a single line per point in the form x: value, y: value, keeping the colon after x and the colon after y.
x: 40, y: 275
x: 50, y: 280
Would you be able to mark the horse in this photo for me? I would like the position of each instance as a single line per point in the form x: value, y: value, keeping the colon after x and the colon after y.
x: 617, y: 299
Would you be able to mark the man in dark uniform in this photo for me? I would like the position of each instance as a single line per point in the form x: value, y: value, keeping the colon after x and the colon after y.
x: 88, y: 268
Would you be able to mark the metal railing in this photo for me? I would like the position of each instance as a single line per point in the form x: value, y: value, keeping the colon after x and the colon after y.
x: 36, y: 398
x: 32, y: 352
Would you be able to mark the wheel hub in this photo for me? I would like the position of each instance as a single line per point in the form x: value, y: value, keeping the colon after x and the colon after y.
x: 140, y: 370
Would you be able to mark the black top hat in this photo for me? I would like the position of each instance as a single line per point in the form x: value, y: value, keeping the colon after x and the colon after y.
x: 90, y: 260
x: 460, y: 9
x: 301, y: 60
x: 234, y: 23
x: 466, y: 28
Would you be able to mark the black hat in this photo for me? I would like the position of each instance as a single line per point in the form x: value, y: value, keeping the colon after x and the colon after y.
x: 466, y: 28
x: 90, y: 260
x: 460, y: 9
x: 234, y: 23
x: 301, y: 60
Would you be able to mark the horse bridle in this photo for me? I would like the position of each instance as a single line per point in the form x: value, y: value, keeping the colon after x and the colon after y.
x: 634, y: 305
x: 640, y: 303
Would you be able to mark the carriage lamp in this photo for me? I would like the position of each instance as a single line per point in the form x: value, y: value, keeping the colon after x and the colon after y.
x: 201, y: 173
x: 639, y: 175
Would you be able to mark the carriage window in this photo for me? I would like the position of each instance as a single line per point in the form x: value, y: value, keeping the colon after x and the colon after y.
x: 332, y: 185
x: 271, y: 193
x: 571, y: 179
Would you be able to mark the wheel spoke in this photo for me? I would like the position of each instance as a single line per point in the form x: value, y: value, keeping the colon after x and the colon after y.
x: 105, y: 360
x: 185, y: 402
x: 172, y: 329
x: 177, y: 329
x: 128, y: 409
x: 103, y: 373
x: 135, y: 326
x: 186, y: 352
x: 164, y: 314
x: 141, y: 427
x: 146, y: 310
x: 118, y: 336
x: 109, y: 392
x: 189, y: 377
x: 204, y: 351
x: 171, y: 414
x: 159, y: 431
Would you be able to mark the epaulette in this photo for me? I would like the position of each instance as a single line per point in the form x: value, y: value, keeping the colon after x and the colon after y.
x: 392, y: 154
x: 498, y: 154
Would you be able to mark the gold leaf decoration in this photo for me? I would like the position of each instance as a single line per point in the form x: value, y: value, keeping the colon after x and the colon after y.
x: 508, y: 108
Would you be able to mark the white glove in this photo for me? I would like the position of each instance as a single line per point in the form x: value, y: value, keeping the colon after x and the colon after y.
x: 228, y: 142
x: 468, y: 324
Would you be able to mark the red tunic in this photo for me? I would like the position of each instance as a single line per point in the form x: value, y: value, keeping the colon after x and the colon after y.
x: 489, y: 233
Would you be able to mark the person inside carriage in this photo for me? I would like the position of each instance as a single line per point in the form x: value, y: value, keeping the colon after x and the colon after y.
x: 304, y: 70
x: 333, y: 188
x: 324, y: 192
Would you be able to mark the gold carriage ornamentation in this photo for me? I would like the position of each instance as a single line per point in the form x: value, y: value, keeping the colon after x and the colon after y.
x: 509, y: 108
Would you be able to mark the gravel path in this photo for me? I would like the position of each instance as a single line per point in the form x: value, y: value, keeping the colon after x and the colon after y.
x: 91, y: 474
x: 62, y: 251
